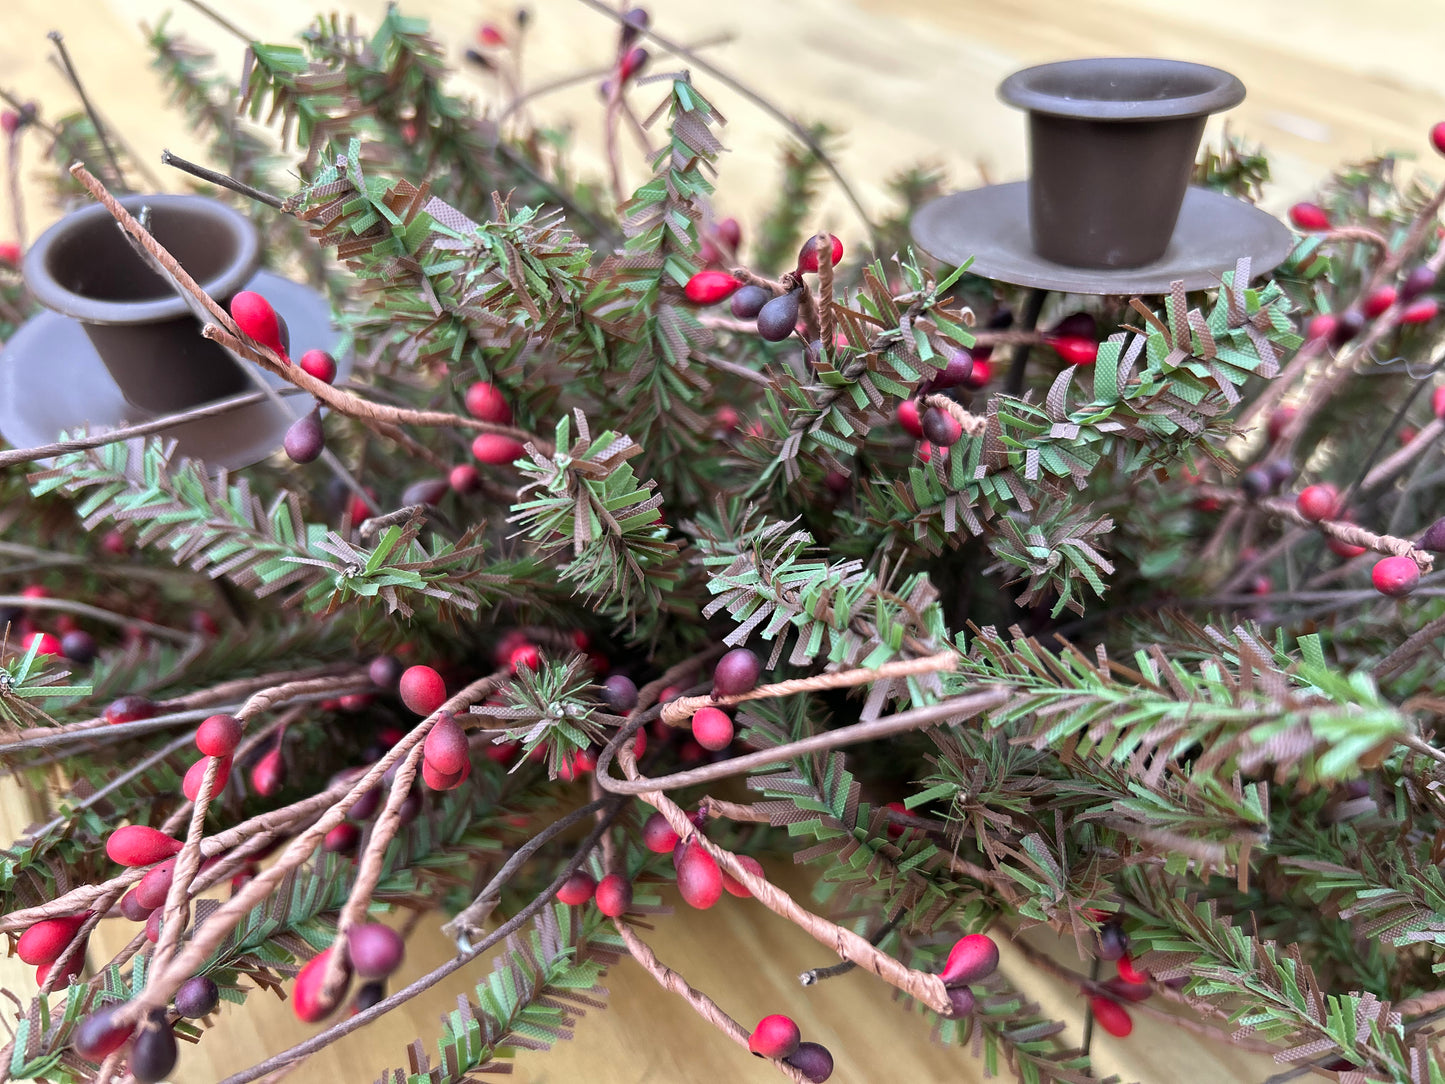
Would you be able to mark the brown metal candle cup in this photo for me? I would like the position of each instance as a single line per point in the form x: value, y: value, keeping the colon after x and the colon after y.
x: 1112, y: 145
x: 84, y: 267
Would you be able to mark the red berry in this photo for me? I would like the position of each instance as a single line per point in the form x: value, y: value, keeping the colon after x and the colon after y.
x: 1437, y: 401
x: 1320, y: 327
x: 257, y: 320
x: 577, y: 889
x: 735, y: 887
x: 979, y: 376
x: 269, y: 774
x: 657, y: 835
x: 9, y: 254
x: 73, y: 967
x: 446, y: 747
x: 775, y: 1037
x: 1317, y: 502
x: 1129, y: 973
x: 9, y: 122
x: 1437, y: 137
x: 155, y: 886
x: 814, y: 1061
x: 1379, y: 301
x: 1341, y: 548
x: 444, y: 780
x: 910, y: 419
x: 1420, y: 312
x: 1395, y: 576
x: 306, y: 1000
x: 191, y: 785
x: 98, y: 1035
x: 710, y: 287
x: 808, y: 254
x: 1309, y: 216
x: 485, y: 403
x: 464, y: 478
x: 1111, y: 1016
x: 712, y: 728
x: 635, y: 60
x: 47, y: 644
x: 490, y: 36
x: 736, y: 672
x: 729, y: 232
x: 375, y: 950
x: 614, y: 895
x: 138, y: 845
x: 525, y: 657
x: 1075, y: 350
x: 319, y: 364
x: 43, y: 942
x: 1129, y: 991
x: 698, y: 877
x: 973, y: 958
x: 422, y: 689
x: 496, y: 450
x: 341, y: 839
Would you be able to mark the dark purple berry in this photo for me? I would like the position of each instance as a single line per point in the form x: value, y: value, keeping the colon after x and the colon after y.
x: 1280, y: 471
x: 98, y: 1035
x: 1349, y: 324
x: 369, y: 994
x: 1113, y: 941
x: 956, y: 372
x: 305, y: 440
x: 749, y: 301
x: 153, y: 1051
x: 778, y: 318
x: 1079, y: 325
x: 197, y: 997
x: 385, y: 671
x: 1434, y: 537
x: 79, y: 647
x: 375, y: 950
x: 737, y: 672
x: 1417, y: 282
x: 941, y: 427
x: 619, y: 693
x: 1255, y: 483
x: 962, y: 1000
x: 813, y: 1061
x: 428, y: 491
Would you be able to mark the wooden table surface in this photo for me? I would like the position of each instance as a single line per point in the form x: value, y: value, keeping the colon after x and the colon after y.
x: 907, y: 80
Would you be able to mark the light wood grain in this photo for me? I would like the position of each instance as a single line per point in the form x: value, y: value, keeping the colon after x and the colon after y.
x: 906, y: 80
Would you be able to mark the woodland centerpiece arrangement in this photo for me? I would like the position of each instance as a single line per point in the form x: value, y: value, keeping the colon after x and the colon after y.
x: 608, y: 546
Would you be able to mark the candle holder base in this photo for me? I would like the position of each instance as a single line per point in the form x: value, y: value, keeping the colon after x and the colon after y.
x: 53, y: 381
x: 991, y: 225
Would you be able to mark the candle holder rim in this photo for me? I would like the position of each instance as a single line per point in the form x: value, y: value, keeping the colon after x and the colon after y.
x: 1030, y: 89
x: 225, y: 282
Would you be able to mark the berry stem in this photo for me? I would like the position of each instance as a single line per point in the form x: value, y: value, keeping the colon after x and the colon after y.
x: 818, y: 974
x: 100, y: 130
x: 224, y: 181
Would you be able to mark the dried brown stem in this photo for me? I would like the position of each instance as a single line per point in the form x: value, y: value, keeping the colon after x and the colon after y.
x: 216, y: 17
x: 95, y: 613
x: 74, y: 77
x: 1352, y: 533
x: 1393, y: 464
x: 954, y: 710
x: 112, y: 436
x: 17, y: 195
x: 923, y: 987
x: 1407, y: 652
x: 222, y: 180
x: 676, y: 712
x: 701, y: 1004
x: 177, y: 905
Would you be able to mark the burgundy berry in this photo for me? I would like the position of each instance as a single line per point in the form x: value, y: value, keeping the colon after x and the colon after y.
x: 775, y: 1036
x: 1434, y: 537
x: 962, y: 999
x: 385, y: 671
x: 778, y: 318
x: 941, y: 427
x: 198, y: 996
x: 736, y: 672
x: 956, y: 372
x: 813, y: 1061
x: 129, y: 709
x: 306, y: 439
x: 375, y: 950
x: 730, y: 232
x: 808, y: 254
x: 79, y: 647
x: 269, y: 774
x: 619, y: 693
x: 1418, y: 281
x: 1349, y: 324
x: 428, y: 491
x: 98, y: 1035
x: 1256, y: 483
x: 749, y: 301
